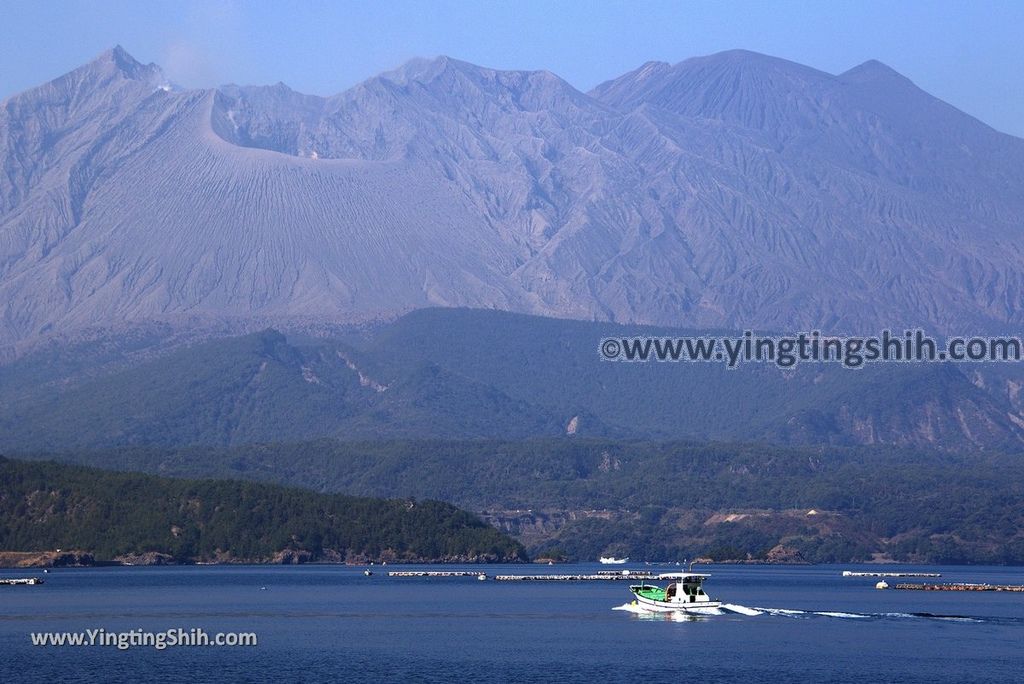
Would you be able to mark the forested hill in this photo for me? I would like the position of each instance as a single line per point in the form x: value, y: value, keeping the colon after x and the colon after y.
x: 458, y: 374
x: 46, y: 506
x: 660, y: 500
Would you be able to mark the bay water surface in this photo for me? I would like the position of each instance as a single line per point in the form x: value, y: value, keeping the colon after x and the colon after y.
x: 331, y: 623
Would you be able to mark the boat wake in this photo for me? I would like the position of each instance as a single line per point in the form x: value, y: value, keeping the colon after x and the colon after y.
x: 631, y: 608
x: 732, y: 608
x: 705, y: 611
x: 842, y: 615
x: 742, y: 610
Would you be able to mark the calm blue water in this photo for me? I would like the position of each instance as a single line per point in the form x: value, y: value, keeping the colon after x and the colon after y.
x: 331, y: 623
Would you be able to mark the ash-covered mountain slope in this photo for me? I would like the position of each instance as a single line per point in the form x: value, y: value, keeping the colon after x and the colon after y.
x: 857, y: 200
x: 735, y: 190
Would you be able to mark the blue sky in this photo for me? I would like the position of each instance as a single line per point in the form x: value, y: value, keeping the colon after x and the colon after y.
x: 967, y: 53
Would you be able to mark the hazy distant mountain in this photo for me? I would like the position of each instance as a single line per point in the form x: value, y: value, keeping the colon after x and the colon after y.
x: 735, y: 190
x: 456, y: 373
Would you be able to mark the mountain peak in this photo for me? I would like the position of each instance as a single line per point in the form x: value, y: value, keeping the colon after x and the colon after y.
x: 739, y: 86
x: 455, y: 80
x: 652, y: 68
x: 425, y: 69
x: 120, y: 54
x: 738, y: 54
x: 872, y: 71
x: 747, y: 61
x: 111, y: 68
x: 118, y: 59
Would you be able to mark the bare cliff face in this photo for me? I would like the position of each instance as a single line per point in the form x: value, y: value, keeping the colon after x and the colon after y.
x: 735, y: 190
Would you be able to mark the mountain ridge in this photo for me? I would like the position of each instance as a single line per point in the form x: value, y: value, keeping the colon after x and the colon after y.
x: 732, y: 190
x: 478, y: 374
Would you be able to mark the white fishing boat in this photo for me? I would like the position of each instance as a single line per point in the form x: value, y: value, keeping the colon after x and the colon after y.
x: 685, y: 592
x: 612, y: 560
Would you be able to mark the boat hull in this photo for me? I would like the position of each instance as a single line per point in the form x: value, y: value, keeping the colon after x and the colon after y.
x: 674, y: 606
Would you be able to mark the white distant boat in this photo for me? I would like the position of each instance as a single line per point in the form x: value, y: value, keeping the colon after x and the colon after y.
x: 612, y: 560
x: 684, y: 593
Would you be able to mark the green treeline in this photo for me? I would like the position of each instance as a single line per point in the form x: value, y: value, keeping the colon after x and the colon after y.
x: 912, y: 505
x: 45, y: 505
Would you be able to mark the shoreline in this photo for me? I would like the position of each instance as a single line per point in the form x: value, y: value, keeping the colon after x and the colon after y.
x: 39, y: 560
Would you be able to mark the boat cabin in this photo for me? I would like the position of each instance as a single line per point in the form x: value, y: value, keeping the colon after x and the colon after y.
x: 687, y: 588
x: 691, y: 592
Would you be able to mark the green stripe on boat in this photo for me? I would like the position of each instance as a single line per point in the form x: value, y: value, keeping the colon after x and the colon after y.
x: 653, y: 593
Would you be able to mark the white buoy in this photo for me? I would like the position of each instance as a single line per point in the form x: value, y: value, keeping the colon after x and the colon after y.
x: 482, y: 577
x: 882, y: 585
